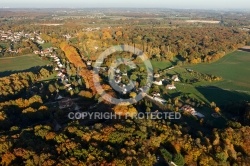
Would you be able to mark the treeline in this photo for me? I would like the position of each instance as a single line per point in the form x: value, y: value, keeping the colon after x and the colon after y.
x: 22, y: 112
x: 189, y: 45
x: 16, y: 83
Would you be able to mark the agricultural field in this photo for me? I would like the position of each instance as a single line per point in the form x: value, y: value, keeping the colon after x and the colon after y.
x: 233, y: 68
x: 233, y: 85
x: 20, y: 63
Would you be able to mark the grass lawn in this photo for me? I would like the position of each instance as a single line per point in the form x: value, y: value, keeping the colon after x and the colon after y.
x: 46, y: 45
x: 19, y: 63
x: 233, y: 68
x: 164, y: 64
x: 234, y: 86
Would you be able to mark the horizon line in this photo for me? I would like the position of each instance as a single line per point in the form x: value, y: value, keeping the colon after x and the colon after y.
x: 173, y: 8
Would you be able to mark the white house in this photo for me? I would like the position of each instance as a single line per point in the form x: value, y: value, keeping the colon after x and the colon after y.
x: 198, y: 114
x: 67, y: 85
x: 175, y: 78
x: 59, y: 74
x: 89, y: 63
x: 160, y: 99
x: 156, y: 75
x: 117, y: 71
x: 192, y: 111
x: 170, y: 87
x: 158, y: 82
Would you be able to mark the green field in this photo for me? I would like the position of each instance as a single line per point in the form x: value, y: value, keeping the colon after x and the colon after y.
x: 233, y: 68
x: 46, y: 45
x: 161, y: 64
x: 234, y: 86
x: 20, y: 63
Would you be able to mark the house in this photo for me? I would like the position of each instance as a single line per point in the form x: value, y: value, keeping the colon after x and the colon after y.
x: 36, y: 52
x: 60, y: 65
x: 159, y: 99
x: 191, y: 110
x: 67, y: 85
x: 156, y: 75
x: 175, y: 78
x: 59, y: 74
x: 170, y: 87
x: 124, y: 74
x: 65, y: 103
x: 57, y: 69
x: 188, y: 109
x: 63, y: 76
x: 189, y: 70
x: 98, y: 62
x: 156, y: 94
x: 117, y: 80
x: 117, y: 71
x: 158, y: 82
x: 89, y: 63
x: 124, y: 91
x: 40, y: 41
x: 198, y: 114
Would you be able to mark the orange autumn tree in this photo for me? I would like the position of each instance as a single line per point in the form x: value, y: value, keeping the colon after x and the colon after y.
x: 124, y: 109
x: 74, y: 58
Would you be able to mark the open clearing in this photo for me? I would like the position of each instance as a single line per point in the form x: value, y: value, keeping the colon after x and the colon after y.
x: 19, y: 63
x: 234, y: 86
x: 233, y: 68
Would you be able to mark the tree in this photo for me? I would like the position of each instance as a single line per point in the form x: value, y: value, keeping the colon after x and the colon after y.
x: 132, y: 95
x: 133, y: 77
x: 166, y: 155
x: 86, y: 94
x: 179, y: 159
x: 212, y: 104
x: 217, y: 109
x: 52, y: 88
x: 124, y: 109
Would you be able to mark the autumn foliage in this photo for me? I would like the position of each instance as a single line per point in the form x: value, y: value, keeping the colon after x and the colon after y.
x: 74, y: 57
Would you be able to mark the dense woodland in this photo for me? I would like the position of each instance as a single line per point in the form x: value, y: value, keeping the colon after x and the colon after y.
x: 29, y: 115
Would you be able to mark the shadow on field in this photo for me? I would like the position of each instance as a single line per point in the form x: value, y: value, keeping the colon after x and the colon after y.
x: 9, y: 72
x: 221, y: 96
x: 245, y: 49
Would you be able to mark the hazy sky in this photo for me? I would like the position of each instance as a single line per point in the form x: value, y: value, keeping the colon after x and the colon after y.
x: 196, y: 4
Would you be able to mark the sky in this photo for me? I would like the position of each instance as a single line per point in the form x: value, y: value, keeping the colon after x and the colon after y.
x: 181, y: 4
